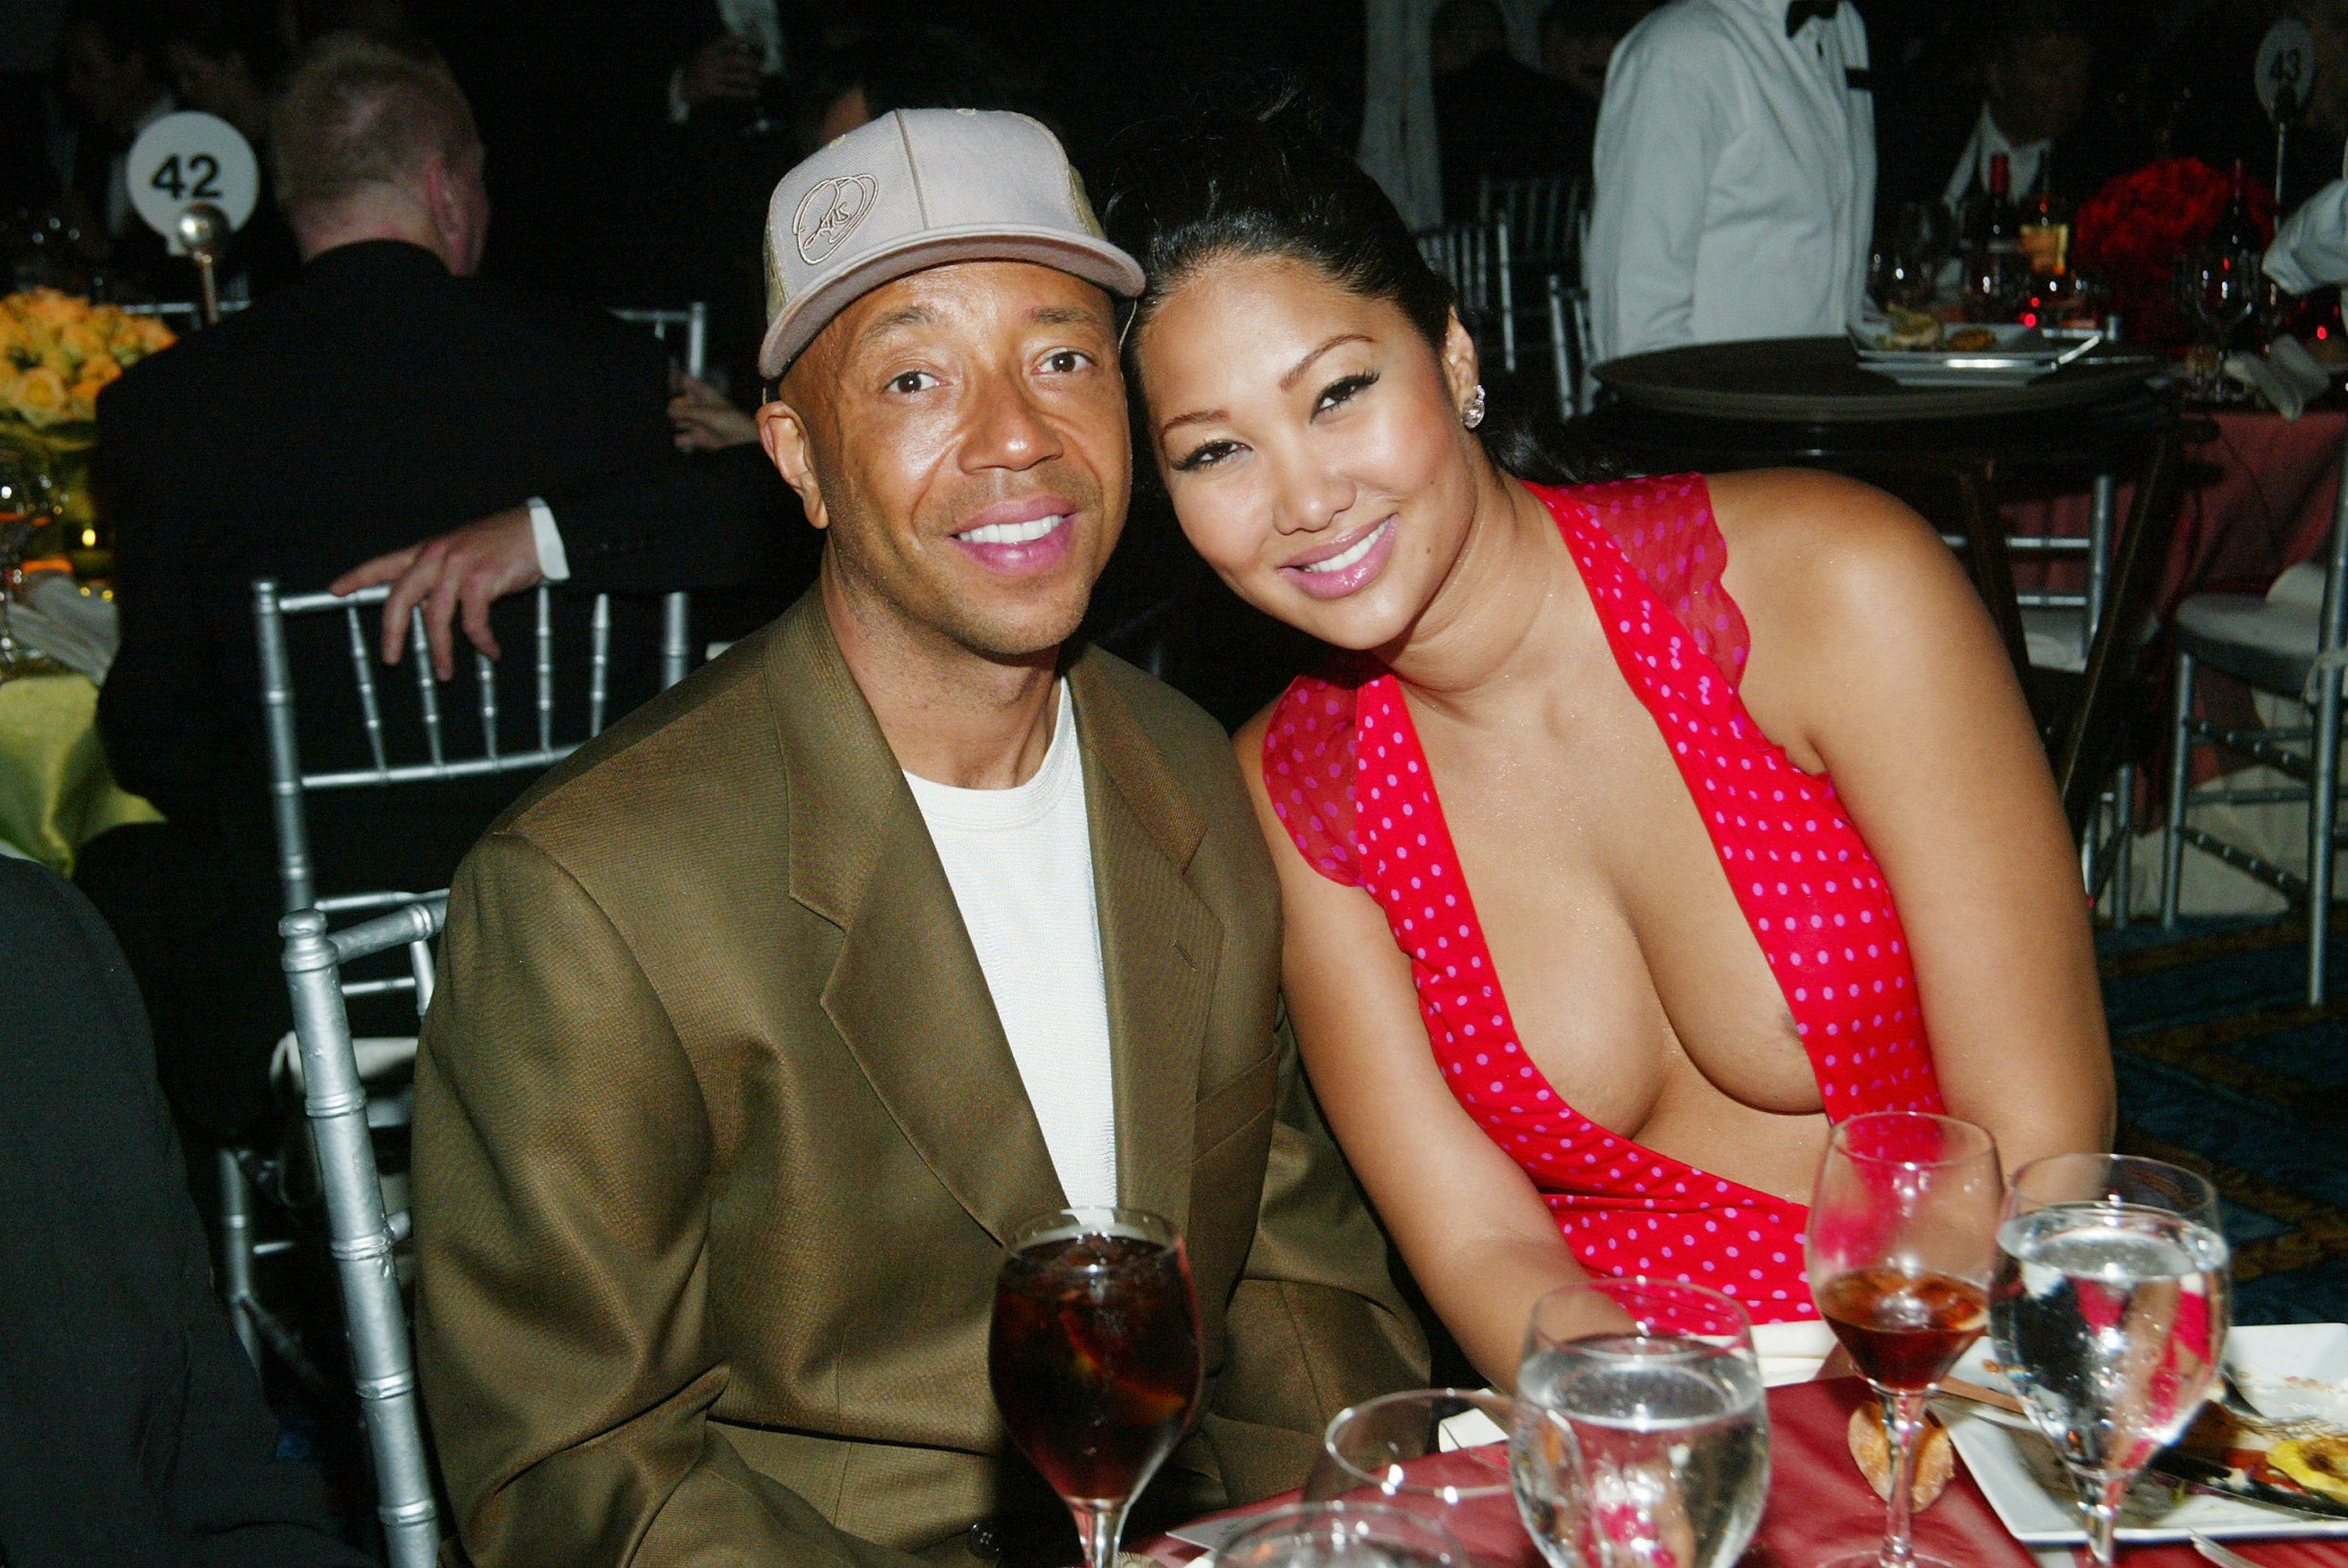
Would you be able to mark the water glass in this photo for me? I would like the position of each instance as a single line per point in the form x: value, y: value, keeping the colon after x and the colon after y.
x: 1341, y: 1536
x: 1390, y: 1452
x: 2109, y: 1312
x: 1642, y: 1437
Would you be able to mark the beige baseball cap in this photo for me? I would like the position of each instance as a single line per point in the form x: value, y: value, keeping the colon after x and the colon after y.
x: 918, y: 189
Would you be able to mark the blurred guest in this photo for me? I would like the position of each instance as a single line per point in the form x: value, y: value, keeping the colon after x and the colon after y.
x: 2023, y: 101
x: 1735, y: 176
x: 1497, y: 118
x: 111, y: 54
x: 385, y: 395
x: 1577, y: 38
x: 131, y: 1425
x: 949, y: 922
x: 221, y: 55
x: 2206, y: 82
x: 919, y: 67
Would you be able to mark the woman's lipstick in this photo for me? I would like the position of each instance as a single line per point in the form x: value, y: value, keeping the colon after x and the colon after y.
x: 1344, y: 565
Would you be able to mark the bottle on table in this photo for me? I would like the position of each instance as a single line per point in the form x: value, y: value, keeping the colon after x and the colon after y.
x: 1996, y: 271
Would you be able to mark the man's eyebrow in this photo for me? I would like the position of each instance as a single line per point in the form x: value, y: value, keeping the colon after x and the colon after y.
x: 890, y: 320
x: 1067, y: 316
x: 1297, y: 374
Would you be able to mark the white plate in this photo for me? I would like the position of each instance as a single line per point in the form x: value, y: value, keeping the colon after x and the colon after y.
x: 2034, y: 1496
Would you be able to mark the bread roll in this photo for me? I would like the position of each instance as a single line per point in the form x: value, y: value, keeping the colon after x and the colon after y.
x: 1936, y: 1459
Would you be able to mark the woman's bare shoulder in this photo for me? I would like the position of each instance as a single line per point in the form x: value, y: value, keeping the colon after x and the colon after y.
x: 1807, y: 545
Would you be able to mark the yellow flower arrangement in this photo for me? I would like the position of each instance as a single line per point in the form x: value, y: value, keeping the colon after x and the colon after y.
x: 57, y: 353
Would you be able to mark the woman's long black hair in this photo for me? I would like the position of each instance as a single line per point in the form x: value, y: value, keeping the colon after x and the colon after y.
x: 1266, y: 180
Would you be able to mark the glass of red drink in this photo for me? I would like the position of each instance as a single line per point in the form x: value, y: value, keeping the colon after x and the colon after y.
x: 1094, y: 1357
x: 1902, y: 1244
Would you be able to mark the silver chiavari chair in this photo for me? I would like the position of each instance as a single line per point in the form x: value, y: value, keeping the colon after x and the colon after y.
x: 1474, y: 259
x: 1540, y: 212
x: 361, y: 1234
x: 690, y: 327
x: 1569, y: 345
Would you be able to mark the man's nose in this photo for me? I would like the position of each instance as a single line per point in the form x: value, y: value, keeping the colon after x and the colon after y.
x: 1006, y: 428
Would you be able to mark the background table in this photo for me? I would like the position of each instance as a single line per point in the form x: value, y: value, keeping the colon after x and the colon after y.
x: 1819, y: 1505
x: 57, y: 792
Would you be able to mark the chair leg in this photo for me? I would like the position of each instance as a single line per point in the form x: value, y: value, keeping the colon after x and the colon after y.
x: 2180, y: 770
x: 2323, y: 813
x: 2124, y: 843
x: 236, y: 1252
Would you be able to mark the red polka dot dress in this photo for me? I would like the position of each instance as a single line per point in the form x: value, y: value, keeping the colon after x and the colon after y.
x: 1349, y: 781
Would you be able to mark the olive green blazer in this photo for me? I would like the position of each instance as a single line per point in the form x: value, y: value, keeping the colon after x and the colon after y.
x: 717, y: 1136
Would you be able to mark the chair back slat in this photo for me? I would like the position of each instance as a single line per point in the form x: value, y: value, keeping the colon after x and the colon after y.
x: 428, y: 691
x: 1474, y: 258
x: 484, y: 675
x: 690, y: 327
x: 599, y: 668
x: 362, y: 676
x: 545, y: 670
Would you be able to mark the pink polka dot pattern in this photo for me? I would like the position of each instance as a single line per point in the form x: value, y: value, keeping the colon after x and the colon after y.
x: 1349, y: 781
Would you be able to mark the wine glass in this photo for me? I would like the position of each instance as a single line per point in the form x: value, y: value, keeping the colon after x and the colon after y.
x: 2109, y: 1314
x: 1341, y: 1536
x: 1902, y: 1242
x: 1094, y: 1357
x: 1642, y: 1437
x: 1920, y: 243
x: 1392, y: 1451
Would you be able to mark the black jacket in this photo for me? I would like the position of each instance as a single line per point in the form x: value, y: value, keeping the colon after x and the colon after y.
x: 377, y: 401
x: 132, y: 1430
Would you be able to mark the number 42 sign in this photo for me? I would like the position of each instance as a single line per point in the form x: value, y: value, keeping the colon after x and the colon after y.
x: 187, y: 158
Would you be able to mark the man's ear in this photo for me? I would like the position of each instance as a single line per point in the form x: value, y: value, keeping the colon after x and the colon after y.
x: 1461, y: 369
x: 443, y: 206
x: 784, y: 434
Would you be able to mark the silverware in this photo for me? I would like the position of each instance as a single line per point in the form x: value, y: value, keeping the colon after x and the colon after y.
x: 2220, y: 1555
x: 2068, y: 355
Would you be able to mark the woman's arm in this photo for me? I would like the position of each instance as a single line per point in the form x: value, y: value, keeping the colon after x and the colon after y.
x: 1478, y: 1238
x: 1873, y: 658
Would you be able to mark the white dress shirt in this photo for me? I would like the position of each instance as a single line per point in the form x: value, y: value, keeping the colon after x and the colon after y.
x: 1735, y: 179
x: 1971, y: 173
x: 1020, y: 862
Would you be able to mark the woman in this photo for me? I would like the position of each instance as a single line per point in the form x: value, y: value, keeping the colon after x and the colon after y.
x: 1553, y: 1038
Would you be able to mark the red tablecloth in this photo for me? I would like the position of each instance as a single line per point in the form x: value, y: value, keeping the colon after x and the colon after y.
x: 2265, y: 507
x: 1820, y: 1505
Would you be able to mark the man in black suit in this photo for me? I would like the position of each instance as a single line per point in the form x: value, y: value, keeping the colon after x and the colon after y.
x: 384, y: 397
x: 131, y: 1428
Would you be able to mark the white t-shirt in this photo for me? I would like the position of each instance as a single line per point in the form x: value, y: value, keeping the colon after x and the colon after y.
x: 1020, y: 861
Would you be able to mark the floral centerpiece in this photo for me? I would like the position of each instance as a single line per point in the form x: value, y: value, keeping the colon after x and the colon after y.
x: 57, y: 353
x: 2132, y: 233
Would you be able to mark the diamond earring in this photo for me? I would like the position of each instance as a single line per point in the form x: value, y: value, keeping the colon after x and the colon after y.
x: 1473, y: 415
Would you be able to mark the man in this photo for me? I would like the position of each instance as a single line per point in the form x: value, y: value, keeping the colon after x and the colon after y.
x: 765, y: 1018
x: 1735, y: 176
x: 1578, y: 39
x: 131, y: 1427
x: 1495, y: 117
x: 384, y: 397
x: 2025, y: 100
x: 110, y: 55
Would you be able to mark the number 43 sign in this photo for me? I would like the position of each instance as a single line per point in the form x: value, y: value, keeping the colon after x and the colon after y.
x: 187, y: 158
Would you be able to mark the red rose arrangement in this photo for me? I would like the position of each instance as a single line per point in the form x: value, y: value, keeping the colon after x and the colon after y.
x: 2131, y: 233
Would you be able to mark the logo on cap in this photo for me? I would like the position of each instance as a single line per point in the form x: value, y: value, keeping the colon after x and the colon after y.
x: 830, y: 212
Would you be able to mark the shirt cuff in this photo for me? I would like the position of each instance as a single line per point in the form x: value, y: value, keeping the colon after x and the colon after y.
x: 679, y: 111
x: 553, y: 561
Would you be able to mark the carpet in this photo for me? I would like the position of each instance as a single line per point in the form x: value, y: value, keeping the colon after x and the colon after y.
x: 2224, y: 1069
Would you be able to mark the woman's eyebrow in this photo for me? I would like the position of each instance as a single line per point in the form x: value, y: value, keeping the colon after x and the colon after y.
x: 1297, y: 374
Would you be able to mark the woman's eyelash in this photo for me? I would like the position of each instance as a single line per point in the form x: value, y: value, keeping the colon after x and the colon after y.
x: 1212, y: 452
x: 1345, y: 387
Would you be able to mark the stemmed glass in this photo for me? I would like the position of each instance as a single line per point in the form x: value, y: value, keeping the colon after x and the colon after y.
x: 2109, y: 1314
x: 1642, y: 1437
x: 1341, y: 1536
x: 1388, y: 1451
x: 1094, y: 1357
x: 1902, y: 1242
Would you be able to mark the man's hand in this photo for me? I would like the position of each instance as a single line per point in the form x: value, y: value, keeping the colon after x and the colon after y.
x: 705, y: 420
x: 466, y: 569
x: 723, y: 67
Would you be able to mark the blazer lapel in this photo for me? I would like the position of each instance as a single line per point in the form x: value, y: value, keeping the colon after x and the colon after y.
x: 906, y: 993
x: 1159, y: 943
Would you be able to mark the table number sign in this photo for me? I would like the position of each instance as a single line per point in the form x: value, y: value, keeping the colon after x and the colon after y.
x: 189, y: 158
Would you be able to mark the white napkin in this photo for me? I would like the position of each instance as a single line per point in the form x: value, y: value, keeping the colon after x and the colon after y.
x: 77, y: 630
x: 2286, y: 375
